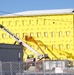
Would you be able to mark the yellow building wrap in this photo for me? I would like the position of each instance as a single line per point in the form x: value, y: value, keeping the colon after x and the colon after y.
x: 53, y: 32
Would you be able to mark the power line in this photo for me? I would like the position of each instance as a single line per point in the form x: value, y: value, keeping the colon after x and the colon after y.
x: 10, y: 13
x: 5, y: 12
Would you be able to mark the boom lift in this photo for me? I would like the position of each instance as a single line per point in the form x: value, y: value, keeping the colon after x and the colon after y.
x: 24, y: 44
x: 31, y: 39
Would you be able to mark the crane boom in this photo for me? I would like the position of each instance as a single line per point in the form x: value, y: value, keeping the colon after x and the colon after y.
x: 19, y: 40
x: 30, y: 38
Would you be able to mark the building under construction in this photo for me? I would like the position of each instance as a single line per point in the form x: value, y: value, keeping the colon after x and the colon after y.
x: 53, y: 30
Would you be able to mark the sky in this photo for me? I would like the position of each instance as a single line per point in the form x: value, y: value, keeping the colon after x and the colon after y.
x: 13, y: 6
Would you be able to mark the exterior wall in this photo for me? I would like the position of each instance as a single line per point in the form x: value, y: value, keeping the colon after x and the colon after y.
x: 11, y: 53
x: 54, y: 33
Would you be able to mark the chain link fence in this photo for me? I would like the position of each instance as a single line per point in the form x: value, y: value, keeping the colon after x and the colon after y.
x: 62, y: 67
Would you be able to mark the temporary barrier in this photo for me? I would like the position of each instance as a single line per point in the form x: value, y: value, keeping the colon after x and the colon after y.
x: 40, y: 68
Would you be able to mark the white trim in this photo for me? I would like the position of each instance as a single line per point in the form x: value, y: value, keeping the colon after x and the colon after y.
x: 41, y: 12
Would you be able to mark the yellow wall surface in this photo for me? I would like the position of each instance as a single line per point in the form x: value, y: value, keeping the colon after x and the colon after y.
x: 53, y: 33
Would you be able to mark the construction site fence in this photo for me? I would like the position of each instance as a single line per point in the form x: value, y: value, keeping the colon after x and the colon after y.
x: 36, y: 68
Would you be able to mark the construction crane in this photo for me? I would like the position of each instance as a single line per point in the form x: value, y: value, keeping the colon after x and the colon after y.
x: 24, y: 44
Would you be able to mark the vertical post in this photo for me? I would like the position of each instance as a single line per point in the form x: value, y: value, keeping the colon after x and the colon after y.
x: 73, y: 31
x: 19, y: 68
x: 44, y: 66
x: 11, y: 68
x: 1, y: 67
x: 35, y: 68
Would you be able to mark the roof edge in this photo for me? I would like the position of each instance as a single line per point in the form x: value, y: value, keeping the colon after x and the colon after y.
x: 41, y: 12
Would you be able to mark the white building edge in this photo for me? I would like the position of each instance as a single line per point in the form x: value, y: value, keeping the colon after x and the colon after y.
x: 41, y: 12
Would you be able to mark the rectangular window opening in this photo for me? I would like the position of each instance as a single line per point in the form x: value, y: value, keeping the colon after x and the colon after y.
x: 22, y: 22
x: 45, y: 34
x: 2, y: 22
x: 30, y: 21
x: 24, y: 34
x: 3, y: 35
x: 52, y: 34
x: 67, y: 33
x: 36, y: 21
x: 32, y: 34
x: 44, y: 21
x: 53, y: 47
x: 38, y: 34
x: 10, y: 36
x: 60, y: 33
x: 60, y: 46
x: 17, y: 34
x: 68, y: 46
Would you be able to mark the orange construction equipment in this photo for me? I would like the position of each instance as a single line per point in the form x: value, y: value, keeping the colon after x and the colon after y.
x: 31, y: 39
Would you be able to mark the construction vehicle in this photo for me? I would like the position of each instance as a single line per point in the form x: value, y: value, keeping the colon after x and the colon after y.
x: 31, y: 39
x: 24, y: 44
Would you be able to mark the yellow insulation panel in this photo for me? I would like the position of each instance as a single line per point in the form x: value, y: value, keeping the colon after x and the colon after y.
x: 52, y: 31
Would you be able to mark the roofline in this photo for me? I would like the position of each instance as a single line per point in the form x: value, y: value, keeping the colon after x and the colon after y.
x: 41, y: 12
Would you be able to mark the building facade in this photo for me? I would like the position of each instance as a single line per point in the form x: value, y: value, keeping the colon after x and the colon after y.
x: 53, y: 31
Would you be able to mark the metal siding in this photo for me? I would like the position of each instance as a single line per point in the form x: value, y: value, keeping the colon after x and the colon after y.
x: 10, y: 52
